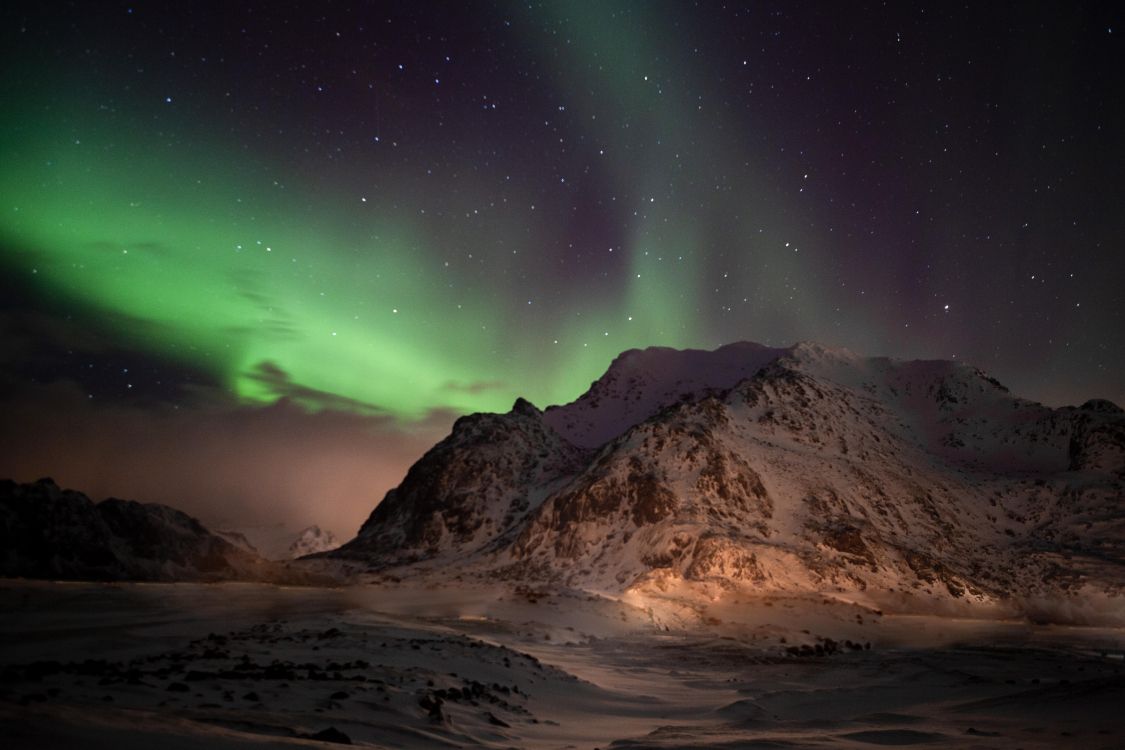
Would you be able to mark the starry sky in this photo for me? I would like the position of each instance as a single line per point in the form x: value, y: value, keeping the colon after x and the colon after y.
x: 309, y: 235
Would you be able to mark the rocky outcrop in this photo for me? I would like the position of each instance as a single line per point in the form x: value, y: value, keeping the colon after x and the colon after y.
x: 470, y: 489
x: 1097, y: 442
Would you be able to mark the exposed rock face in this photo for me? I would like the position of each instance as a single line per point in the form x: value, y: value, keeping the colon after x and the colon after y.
x: 470, y: 489
x: 1098, y: 440
x: 797, y: 469
x: 48, y: 532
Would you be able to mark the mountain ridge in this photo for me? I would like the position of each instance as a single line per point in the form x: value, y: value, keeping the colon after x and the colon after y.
x: 820, y: 470
x: 55, y: 533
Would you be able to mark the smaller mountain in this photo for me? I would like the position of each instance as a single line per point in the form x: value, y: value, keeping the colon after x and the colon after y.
x: 280, y: 541
x: 310, y: 541
x: 49, y: 532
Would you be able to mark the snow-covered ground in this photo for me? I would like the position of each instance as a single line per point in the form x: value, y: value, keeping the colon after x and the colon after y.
x: 395, y: 666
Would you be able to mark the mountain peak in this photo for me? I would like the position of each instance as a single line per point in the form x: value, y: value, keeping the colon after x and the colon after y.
x: 1102, y: 405
x: 310, y: 541
x: 639, y: 383
x: 525, y: 407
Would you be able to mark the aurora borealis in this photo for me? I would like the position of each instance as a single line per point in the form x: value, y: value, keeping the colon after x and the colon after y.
x: 404, y: 212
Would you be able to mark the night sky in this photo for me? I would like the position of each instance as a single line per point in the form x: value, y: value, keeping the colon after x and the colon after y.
x: 257, y: 256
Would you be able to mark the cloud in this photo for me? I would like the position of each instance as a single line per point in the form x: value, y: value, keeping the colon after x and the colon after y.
x: 281, y: 385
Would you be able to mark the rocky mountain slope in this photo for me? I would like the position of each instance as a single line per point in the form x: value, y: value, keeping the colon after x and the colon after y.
x: 800, y: 469
x: 48, y: 532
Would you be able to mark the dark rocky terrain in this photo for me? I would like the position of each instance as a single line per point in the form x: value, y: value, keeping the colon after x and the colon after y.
x: 48, y: 532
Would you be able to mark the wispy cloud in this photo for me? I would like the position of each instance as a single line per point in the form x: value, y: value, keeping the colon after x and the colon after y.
x: 281, y: 385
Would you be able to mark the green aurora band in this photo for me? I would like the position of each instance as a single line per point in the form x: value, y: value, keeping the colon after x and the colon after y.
x: 228, y: 279
x: 277, y: 281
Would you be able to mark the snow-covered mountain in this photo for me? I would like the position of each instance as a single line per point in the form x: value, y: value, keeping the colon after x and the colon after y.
x: 280, y: 541
x: 779, y: 469
x: 48, y: 532
x: 310, y: 541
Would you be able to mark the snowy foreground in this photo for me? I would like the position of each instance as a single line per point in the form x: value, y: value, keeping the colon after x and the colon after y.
x: 251, y: 665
